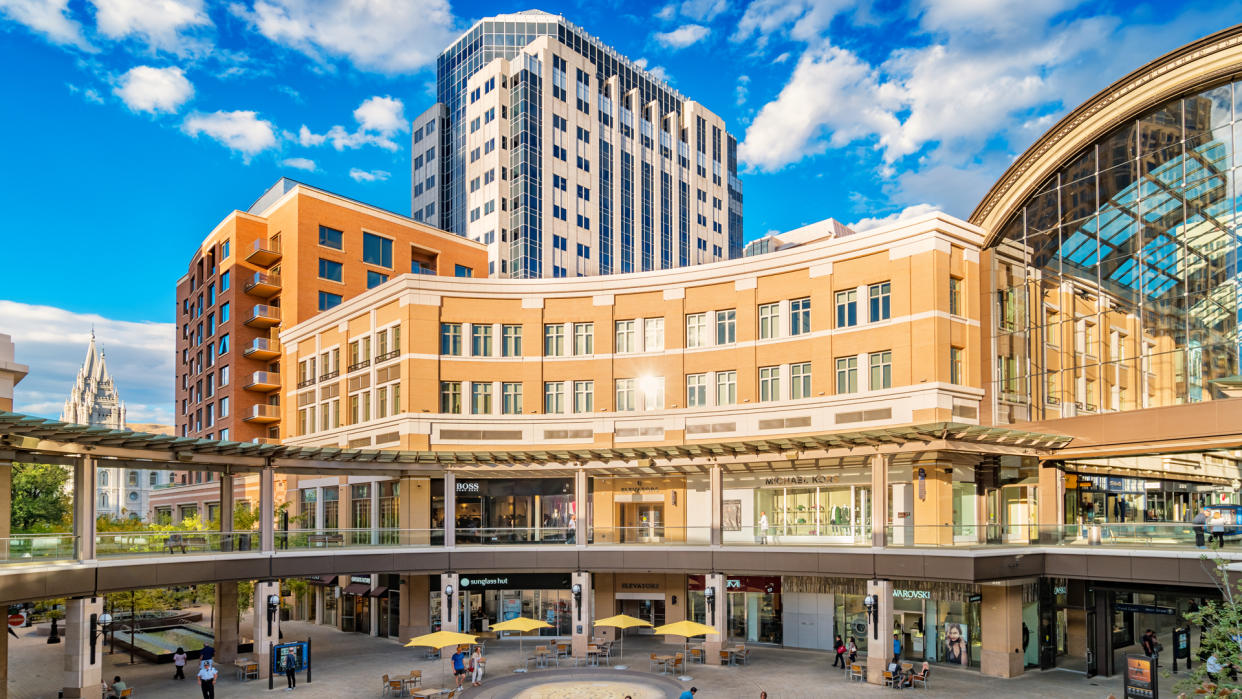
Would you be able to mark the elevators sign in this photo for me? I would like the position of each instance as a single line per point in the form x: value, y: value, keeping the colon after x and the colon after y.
x: 1141, y: 678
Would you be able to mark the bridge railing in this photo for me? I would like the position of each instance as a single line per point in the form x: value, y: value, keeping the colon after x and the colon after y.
x: 37, y: 548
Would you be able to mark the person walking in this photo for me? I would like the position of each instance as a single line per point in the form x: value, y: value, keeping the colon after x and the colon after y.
x: 179, y: 663
x: 1218, y: 529
x: 207, y: 679
x: 1200, y: 526
x: 290, y: 667
x: 689, y: 693
x: 897, y: 647
x: 839, y: 646
x: 763, y: 527
x: 853, y: 648
x: 459, y: 667
x: 476, y: 667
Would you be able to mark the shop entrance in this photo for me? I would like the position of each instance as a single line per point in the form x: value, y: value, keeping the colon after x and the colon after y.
x: 641, y: 522
x: 356, y: 613
x: 908, y: 625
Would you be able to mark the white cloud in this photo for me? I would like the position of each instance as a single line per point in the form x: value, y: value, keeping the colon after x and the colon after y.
x: 241, y: 131
x: 89, y: 94
x: 915, y: 211
x: 50, y: 18
x: 299, y: 164
x: 657, y: 72
x: 369, y: 175
x: 379, y: 119
x: 389, y: 36
x: 164, y: 25
x: 147, y: 89
x: 683, y: 36
x: 52, y: 341
x: 832, y: 99
x: 703, y: 10
x: 803, y: 19
x: 742, y: 89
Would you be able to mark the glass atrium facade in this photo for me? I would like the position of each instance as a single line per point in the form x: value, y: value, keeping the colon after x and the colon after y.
x: 1117, y: 282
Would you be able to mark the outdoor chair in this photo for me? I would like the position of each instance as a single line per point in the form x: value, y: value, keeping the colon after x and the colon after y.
x: 856, y: 672
x: 415, y: 678
x: 656, y: 662
x: 742, y: 655
x: 562, y: 650
x: 127, y: 692
x: 922, y: 677
x: 679, y: 662
x: 726, y: 658
x: 696, y: 655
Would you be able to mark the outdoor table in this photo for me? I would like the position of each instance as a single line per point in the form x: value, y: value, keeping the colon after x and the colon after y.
x: 665, y: 661
x: 410, y: 681
x: 434, y: 692
x: 593, y: 653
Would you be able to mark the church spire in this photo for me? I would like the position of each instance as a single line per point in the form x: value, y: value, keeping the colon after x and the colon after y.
x: 93, y: 400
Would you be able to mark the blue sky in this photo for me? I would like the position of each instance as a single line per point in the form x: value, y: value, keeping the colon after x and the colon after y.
x: 134, y: 126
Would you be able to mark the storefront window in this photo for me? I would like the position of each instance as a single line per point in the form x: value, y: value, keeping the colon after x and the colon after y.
x: 306, y: 508
x: 360, y: 512
x: 511, y: 511
x: 388, y: 518
x: 832, y: 506
x: 331, y: 507
x: 965, y: 511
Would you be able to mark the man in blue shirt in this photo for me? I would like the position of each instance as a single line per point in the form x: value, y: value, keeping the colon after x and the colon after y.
x: 689, y: 693
x: 459, y: 667
x: 896, y: 648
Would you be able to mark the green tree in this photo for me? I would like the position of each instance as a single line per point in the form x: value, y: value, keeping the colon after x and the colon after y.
x: 1221, y: 636
x: 39, y: 499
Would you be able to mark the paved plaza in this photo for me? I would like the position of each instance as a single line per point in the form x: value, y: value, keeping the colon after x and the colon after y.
x: 349, y: 665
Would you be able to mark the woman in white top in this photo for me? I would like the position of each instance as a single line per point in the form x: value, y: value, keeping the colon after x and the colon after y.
x: 763, y: 527
x: 179, y: 664
x: 476, y: 661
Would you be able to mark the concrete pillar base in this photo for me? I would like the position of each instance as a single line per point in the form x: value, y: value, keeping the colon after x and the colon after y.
x: 583, y: 618
x: 1001, y: 617
x: 265, y: 636
x: 83, y: 669
x: 879, y: 630
x: 224, y: 622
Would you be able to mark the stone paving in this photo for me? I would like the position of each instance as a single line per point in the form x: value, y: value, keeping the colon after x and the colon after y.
x: 351, y: 665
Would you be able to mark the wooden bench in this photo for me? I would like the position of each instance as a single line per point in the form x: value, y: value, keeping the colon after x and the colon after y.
x: 324, y: 539
x: 199, y: 543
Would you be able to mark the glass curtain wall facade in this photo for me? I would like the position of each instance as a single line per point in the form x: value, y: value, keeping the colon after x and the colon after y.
x: 1126, y: 293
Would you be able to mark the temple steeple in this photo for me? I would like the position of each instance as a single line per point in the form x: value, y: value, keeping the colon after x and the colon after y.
x: 94, y: 399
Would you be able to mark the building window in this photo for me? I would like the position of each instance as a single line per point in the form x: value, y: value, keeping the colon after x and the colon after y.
x: 481, y: 398
x: 584, y: 396
x: 696, y: 330
x: 800, y: 316
x: 512, y: 335
x: 554, y: 397
x: 726, y: 387
x: 450, y: 397
x: 224, y: 313
x: 957, y: 366
x: 653, y: 331
x: 224, y: 281
x: 331, y: 238
x: 480, y: 340
x: 625, y: 395
x: 726, y: 327
x: 376, y: 250
x: 878, y: 301
x: 653, y: 393
x: 554, y: 340
x: 222, y: 407
x: 374, y: 278
x: 881, y: 370
x: 955, y: 296
x: 696, y: 390
x: 769, y: 383
x: 584, y: 339
x: 847, y: 375
x: 847, y: 308
x: 328, y: 301
x: 462, y: 271
x: 769, y: 320
x: 224, y: 344
x: 800, y: 380
x: 330, y: 270
x: 450, y: 339
x: 627, y: 336
x: 511, y: 398
x: 222, y: 377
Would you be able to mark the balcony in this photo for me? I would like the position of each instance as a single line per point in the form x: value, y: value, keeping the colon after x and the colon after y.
x: 262, y: 316
x: 263, y: 349
x: 263, y: 382
x: 264, y: 253
x: 263, y: 285
x: 265, y: 440
x: 263, y: 413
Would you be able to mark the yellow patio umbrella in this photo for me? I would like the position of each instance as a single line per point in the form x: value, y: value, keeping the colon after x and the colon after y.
x: 520, y: 624
x: 623, y: 622
x: 686, y: 629
x: 440, y: 640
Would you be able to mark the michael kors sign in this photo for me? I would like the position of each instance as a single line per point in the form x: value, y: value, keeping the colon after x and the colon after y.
x: 799, y: 480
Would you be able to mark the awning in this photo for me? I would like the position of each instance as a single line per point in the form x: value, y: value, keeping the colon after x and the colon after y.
x: 357, y: 589
x: 379, y: 591
x: 329, y: 580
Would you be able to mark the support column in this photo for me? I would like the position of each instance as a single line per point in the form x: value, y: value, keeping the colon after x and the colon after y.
x: 583, y: 613
x: 267, y: 510
x: 83, y: 672
x: 84, y: 472
x: 879, y: 500
x: 932, y: 498
x: 1050, y: 509
x: 226, y: 512
x: 414, y: 511
x: 716, y: 490
x: 880, y: 631
x: 224, y: 622
x: 1001, y: 618
x: 450, y: 509
x: 263, y: 635
x: 6, y: 517
x: 448, y: 609
x: 374, y: 606
x: 715, y: 618
x: 415, y: 619
x: 581, y: 507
